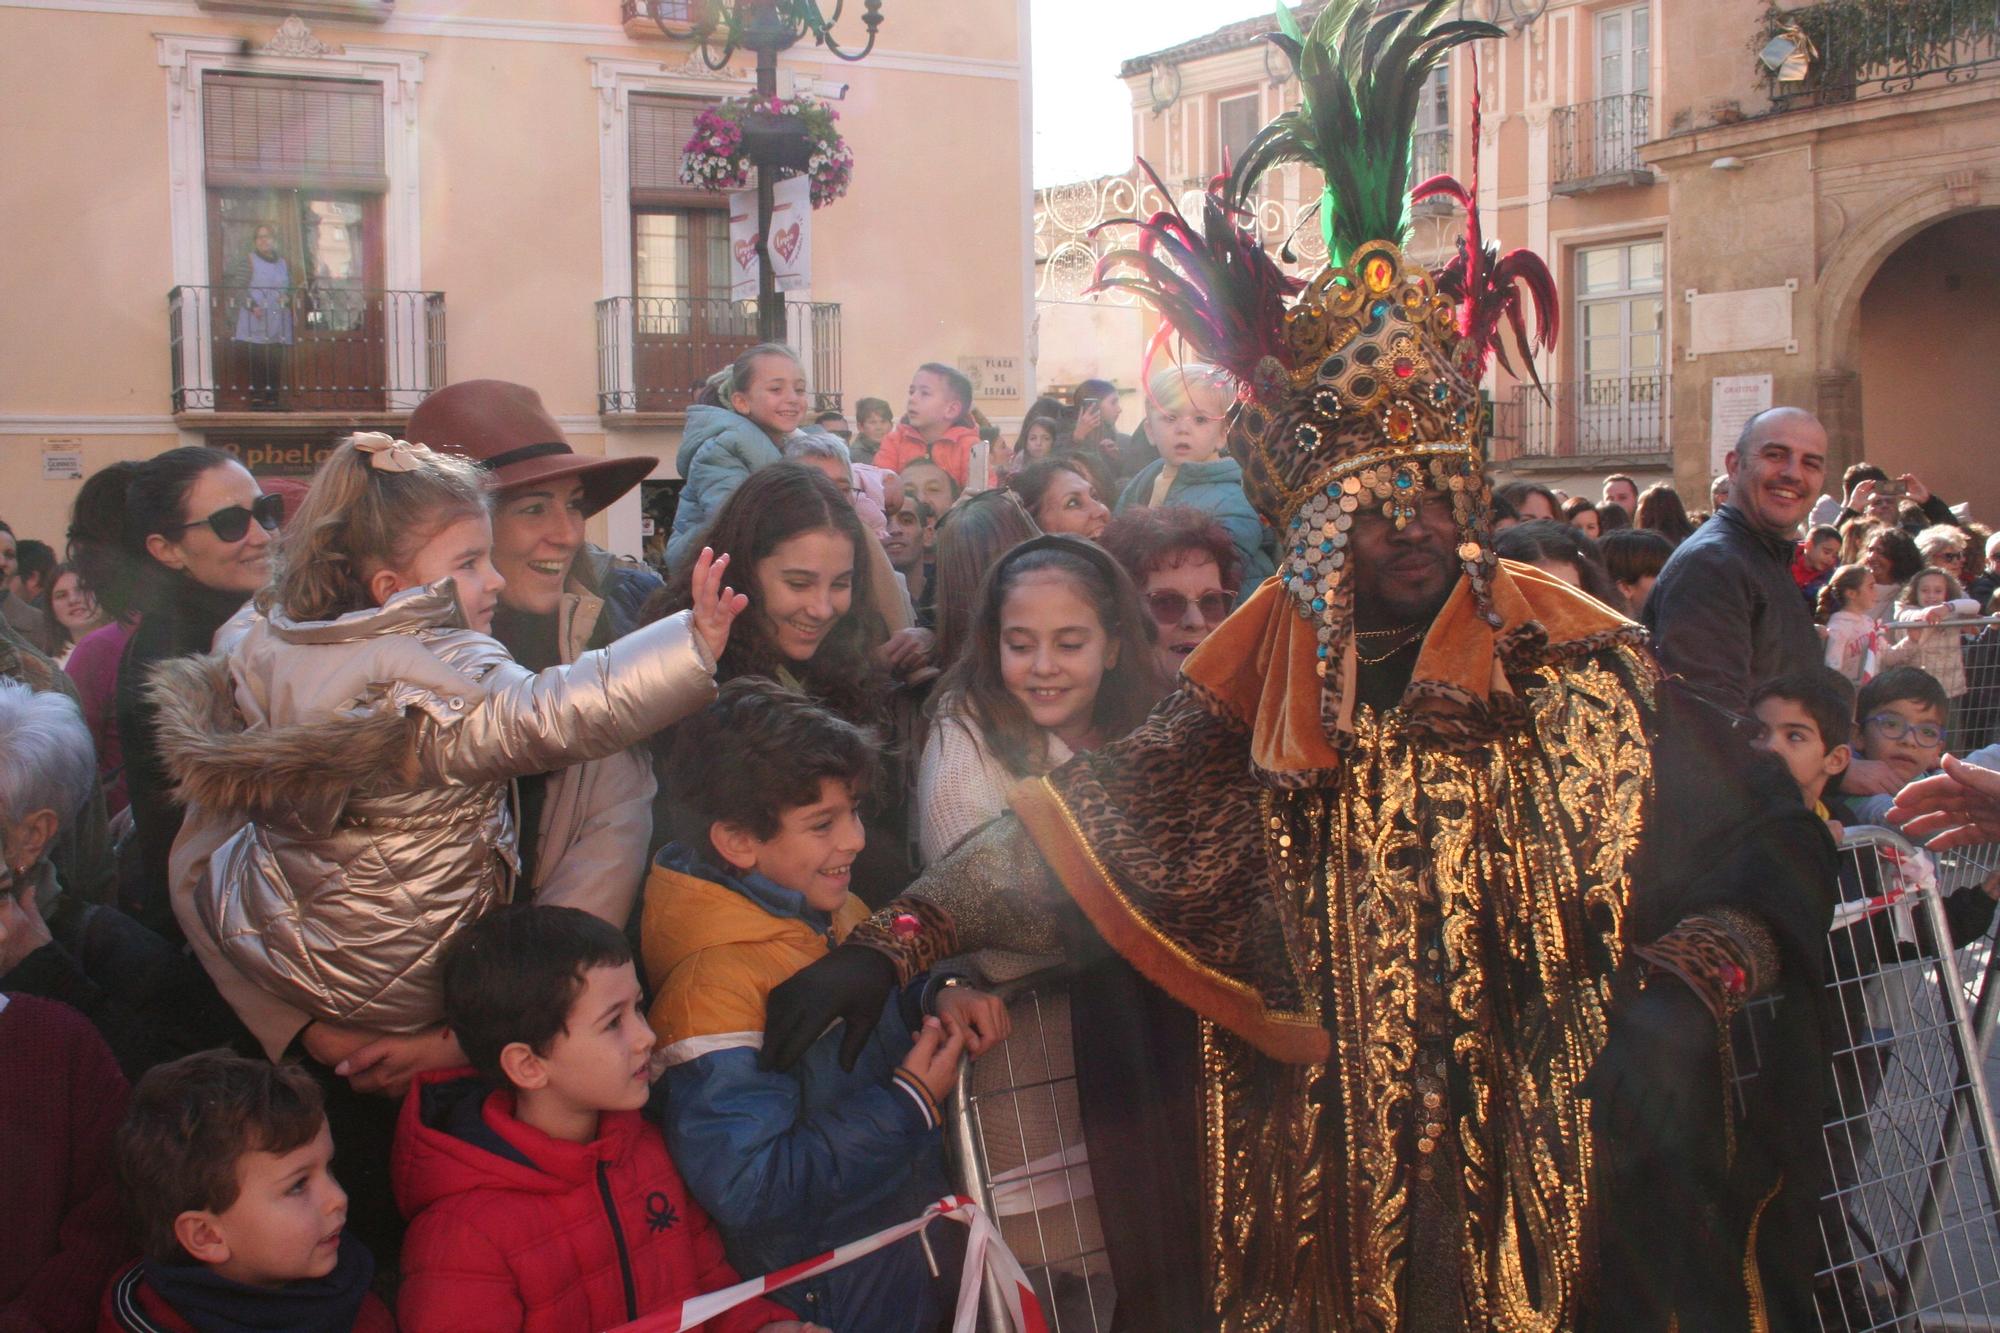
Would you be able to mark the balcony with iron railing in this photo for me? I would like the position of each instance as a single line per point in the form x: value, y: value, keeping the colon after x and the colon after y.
x: 349, y: 351
x: 1430, y: 155
x: 655, y: 352
x: 647, y: 18
x: 1863, y: 50
x: 1596, y: 144
x: 1600, y: 420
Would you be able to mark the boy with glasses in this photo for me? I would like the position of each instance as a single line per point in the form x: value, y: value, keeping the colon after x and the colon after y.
x: 1902, y: 716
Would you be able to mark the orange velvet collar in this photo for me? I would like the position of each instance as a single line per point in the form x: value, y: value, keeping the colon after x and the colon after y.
x: 1259, y: 667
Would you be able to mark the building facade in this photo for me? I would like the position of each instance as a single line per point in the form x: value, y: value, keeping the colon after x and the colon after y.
x: 1721, y: 239
x: 263, y: 225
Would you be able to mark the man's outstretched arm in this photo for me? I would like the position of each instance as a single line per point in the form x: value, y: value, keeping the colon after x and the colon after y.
x: 994, y: 891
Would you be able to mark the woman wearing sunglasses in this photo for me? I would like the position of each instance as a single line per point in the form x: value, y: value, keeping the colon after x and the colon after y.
x: 1187, y: 572
x: 176, y: 545
x: 1060, y: 660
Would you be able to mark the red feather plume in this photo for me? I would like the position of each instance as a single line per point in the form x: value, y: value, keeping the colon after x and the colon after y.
x: 1214, y: 285
x: 1487, y: 284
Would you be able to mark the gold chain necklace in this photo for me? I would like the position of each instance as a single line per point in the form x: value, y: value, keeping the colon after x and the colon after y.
x: 1383, y: 633
x: 1394, y: 648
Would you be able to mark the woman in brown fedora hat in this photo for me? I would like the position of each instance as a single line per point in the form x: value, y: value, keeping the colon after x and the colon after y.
x: 586, y: 829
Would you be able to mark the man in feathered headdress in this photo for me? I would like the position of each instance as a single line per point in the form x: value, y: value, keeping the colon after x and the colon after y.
x: 1427, y: 900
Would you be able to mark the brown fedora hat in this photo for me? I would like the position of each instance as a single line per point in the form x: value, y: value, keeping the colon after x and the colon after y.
x: 505, y: 429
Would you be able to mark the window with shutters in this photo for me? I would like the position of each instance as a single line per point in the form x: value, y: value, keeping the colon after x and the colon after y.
x: 296, y: 170
x: 684, y: 322
x: 1237, y: 121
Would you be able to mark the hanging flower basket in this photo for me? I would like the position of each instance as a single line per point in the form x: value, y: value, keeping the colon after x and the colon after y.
x: 794, y: 136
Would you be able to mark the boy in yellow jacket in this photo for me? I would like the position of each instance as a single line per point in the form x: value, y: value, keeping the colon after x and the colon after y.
x: 755, y: 887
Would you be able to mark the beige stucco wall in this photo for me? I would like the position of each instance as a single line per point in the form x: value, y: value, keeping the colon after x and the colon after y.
x: 927, y: 255
x: 1825, y: 197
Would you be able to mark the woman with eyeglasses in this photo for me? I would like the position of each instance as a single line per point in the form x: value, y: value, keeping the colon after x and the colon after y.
x: 176, y: 544
x: 1186, y: 568
x: 1060, y: 660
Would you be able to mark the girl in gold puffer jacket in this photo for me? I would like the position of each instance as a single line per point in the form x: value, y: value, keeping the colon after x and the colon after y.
x: 347, y: 759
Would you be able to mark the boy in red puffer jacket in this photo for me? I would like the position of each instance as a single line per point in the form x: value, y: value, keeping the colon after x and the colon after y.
x: 539, y: 1198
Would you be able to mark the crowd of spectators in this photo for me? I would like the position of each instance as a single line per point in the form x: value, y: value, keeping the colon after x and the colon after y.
x: 389, y: 813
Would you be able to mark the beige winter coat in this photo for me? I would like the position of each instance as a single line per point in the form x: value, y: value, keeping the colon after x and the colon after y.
x: 597, y: 816
x: 347, y: 787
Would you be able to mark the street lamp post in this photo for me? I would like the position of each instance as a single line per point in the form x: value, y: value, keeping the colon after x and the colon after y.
x: 768, y: 27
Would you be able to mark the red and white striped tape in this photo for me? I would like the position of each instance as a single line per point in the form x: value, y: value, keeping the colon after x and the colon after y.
x: 985, y: 1253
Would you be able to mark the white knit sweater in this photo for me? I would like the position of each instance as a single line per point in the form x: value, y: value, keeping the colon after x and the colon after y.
x: 961, y: 784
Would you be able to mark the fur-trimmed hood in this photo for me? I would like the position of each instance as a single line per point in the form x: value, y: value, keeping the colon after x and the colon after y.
x: 299, y: 775
x: 347, y: 785
x: 294, y: 719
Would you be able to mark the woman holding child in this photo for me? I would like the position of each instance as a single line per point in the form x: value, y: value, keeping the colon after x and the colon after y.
x: 349, y: 756
x: 585, y: 829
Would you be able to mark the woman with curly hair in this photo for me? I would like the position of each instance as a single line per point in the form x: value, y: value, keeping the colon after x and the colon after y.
x: 1893, y: 558
x: 1188, y: 573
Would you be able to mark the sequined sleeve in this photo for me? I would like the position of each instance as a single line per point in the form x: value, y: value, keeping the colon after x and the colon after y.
x: 1725, y: 955
x: 993, y: 892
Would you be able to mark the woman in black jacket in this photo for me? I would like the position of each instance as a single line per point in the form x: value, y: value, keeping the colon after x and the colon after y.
x: 183, y: 542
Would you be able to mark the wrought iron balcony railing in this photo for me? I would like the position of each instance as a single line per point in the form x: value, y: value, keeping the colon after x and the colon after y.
x: 655, y: 352
x: 319, y: 348
x: 1597, y: 143
x: 1873, y: 50
x: 670, y: 11
x: 1584, y: 419
x: 1430, y: 154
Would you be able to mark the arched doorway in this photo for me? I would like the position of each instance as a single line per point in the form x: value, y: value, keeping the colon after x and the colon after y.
x: 1928, y: 324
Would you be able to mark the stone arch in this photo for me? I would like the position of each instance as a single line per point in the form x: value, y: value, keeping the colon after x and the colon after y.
x: 1866, y: 246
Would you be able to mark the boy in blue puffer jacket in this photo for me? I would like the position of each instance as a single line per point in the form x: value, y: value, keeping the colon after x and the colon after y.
x: 755, y: 887
x: 738, y: 425
x: 1187, y: 418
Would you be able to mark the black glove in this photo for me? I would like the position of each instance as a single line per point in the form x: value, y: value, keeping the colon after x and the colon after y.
x: 1658, y: 1082
x: 849, y: 984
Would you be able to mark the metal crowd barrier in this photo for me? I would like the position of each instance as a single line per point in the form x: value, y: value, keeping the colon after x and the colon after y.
x: 1017, y: 1147
x: 1975, y: 714
x: 1910, y: 1229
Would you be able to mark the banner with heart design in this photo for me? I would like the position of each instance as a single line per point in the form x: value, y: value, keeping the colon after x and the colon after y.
x: 790, y: 250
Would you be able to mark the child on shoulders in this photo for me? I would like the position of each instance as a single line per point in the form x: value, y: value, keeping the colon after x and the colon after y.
x: 754, y: 888
x: 937, y: 424
x: 1187, y: 419
x: 539, y: 1196
x: 226, y: 1169
x: 746, y: 413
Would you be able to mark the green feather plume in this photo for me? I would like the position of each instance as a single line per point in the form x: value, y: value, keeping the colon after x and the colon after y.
x: 1361, y: 71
